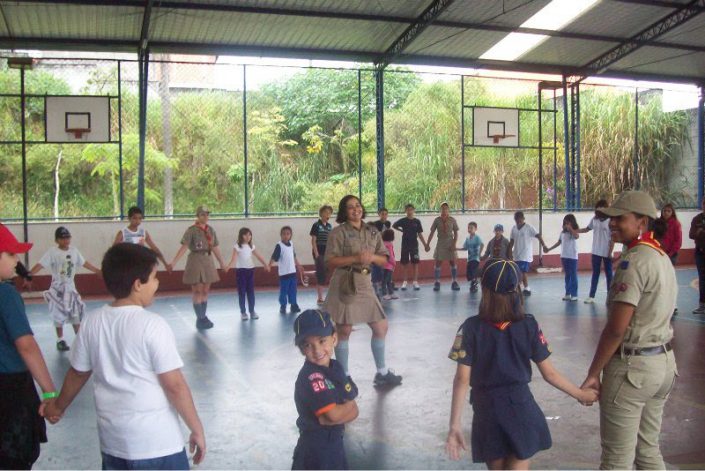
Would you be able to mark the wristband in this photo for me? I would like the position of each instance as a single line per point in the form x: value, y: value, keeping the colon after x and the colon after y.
x: 50, y: 395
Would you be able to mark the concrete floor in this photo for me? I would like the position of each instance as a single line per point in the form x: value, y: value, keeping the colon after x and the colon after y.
x: 242, y: 375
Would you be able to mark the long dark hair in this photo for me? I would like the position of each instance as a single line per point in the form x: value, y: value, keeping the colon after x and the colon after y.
x: 501, y: 307
x: 241, y: 236
x: 342, y: 215
x: 570, y: 219
x: 669, y: 205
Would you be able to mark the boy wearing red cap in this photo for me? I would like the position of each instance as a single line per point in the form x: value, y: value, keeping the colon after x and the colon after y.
x: 21, y: 427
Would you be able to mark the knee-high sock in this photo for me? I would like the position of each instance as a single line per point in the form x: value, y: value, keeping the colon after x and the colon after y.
x: 454, y: 272
x: 378, y: 353
x: 197, y: 308
x: 437, y: 273
x: 341, y: 354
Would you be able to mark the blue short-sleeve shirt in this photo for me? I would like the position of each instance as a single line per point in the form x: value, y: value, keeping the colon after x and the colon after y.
x: 318, y: 389
x: 13, y: 325
x: 500, y: 354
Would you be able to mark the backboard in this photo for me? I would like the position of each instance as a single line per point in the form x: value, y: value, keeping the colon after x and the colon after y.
x: 77, y: 119
x: 495, y: 127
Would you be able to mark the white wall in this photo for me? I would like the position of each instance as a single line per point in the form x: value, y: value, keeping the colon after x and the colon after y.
x: 94, y: 237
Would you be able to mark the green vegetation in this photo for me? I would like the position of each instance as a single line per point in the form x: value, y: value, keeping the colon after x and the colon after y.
x: 303, y: 147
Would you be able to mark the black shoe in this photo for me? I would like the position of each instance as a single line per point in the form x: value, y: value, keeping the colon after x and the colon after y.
x: 282, y: 310
x: 526, y: 292
x: 390, y: 379
x: 295, y: 308
x: 473, y: 287
x: 203, y: 324
x: 62, y: 346
x: 437, y: 286
x: 454, y: 286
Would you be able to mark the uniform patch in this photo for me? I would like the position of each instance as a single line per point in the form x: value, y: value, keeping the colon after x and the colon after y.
x: 348, y: 387
x: 542, y: 338
x: 318, y: 385
x: 462, y: 354
x: 453, y: 356
x: 316, y: 375
x: 458, y: 342
x: 329, y: 384
x: 622, y: 287
x: 624, y: 264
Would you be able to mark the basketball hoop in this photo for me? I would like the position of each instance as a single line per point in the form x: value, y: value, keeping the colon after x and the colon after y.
x: 497, y: 137
x: 78, y: 132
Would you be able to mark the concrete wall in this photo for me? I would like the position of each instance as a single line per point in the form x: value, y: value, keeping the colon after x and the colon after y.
x: 93, y: 239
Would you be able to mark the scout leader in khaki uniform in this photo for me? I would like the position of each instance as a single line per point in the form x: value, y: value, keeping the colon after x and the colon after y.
x: 352, y: 247
x: 200, y: 239
x: 635, y: 353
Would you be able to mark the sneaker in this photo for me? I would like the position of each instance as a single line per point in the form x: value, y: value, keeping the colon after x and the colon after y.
x: 62, y: 346
x: 203, y: 324
x: 295, y: 308
x: 566, y: 297
x: 390, y: 379
x: 416, y: 286
x: 527, y: 291
x: 437, y: 286
x: 387, y: 297
x: 700, y: 309
x: 282, y: 310
x: 403, y: 286
x: 473, y: 288
x: 589, y: 301
x: 394, y: 296
x: 454, y: 286
x: 254, y: 316
x: 573, y: 298
x: 244, y: 317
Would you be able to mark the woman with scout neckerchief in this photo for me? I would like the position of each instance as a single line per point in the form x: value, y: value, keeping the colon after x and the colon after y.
x: 635, y: 354
x: 352, y: 247
x: 200, y: 239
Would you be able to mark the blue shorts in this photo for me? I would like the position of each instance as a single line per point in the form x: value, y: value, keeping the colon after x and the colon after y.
x: 525, y: 267
x: 507, y: 421
x: 321, y: 449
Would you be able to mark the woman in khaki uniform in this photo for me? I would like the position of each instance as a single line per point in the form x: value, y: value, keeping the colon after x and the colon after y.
x: 635, y: 353
x: 352, y: 247
x: 447, y: 229
x: 201, y: 240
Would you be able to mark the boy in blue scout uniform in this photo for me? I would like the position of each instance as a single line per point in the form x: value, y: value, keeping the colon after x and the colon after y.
x: 324, y: 395
x: 494, y: 351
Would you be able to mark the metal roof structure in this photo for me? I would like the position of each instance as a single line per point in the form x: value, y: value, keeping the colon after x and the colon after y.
x: 636, y: 39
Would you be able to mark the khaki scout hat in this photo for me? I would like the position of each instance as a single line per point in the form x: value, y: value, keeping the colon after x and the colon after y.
x: 202, y: 209
x: 638, y: 202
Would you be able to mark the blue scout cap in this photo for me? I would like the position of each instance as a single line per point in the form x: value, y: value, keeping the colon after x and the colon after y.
x: 501, y: 276
x: 312, y: 322
x: 499, y: 227
x: 61, y: 233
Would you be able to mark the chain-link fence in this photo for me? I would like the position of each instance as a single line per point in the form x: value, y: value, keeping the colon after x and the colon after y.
x: 259, y: 140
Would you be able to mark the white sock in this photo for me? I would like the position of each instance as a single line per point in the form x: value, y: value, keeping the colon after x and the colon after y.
x: 383, y: 371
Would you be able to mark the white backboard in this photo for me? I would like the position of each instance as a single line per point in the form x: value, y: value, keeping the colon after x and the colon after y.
x: 487, y: 123
x: 83, y: 112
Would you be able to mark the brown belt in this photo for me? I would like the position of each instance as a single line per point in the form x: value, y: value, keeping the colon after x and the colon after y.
x: 646, y: 351
x: 363, y: 270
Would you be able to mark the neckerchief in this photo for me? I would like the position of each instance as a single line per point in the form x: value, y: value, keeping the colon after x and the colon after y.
x: 647, y: 239
x: 209, y: 239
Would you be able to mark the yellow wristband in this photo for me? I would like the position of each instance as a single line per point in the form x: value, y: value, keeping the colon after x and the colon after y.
x: 50, y: 395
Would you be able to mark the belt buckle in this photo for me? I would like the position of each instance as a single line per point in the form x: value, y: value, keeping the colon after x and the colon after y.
x: 365, y: 271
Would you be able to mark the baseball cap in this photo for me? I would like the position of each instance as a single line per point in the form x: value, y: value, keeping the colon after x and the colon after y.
x: 202, y: 209
x: 61, y: 233
x: 9, y: 243
x: 498, y: 227
x: 632, y: 201
x: 501, y: 276
x: 312, y: 322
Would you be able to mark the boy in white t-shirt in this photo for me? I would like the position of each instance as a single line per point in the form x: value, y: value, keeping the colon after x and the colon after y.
x: 65, y: 304
x: 602, y: 248
x: 138, y: 386
x: 520, y: 245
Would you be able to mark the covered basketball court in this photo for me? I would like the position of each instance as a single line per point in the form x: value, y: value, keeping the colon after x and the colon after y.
x: 242, y: 373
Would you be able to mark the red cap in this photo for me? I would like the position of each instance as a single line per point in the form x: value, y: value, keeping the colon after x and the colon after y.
x: 8, y: 242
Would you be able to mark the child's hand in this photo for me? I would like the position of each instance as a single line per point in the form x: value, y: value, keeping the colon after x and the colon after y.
x: 49, y: 411
x: 169, y: 267
x: 588, y: 396
x: 365, y: 257
x: 455, y: 443
x: 197, y: 444
x: 267, y: 268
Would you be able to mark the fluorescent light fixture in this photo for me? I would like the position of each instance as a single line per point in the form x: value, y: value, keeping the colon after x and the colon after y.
x: 553, y: 16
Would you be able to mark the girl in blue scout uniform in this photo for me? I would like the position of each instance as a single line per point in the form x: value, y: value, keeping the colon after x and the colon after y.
x: 324, y: 395
x: 493, y: 351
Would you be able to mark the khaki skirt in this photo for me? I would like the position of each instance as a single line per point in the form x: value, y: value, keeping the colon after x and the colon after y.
x: 445, y: 250
x: 361, y: 307
x: 200, y: 268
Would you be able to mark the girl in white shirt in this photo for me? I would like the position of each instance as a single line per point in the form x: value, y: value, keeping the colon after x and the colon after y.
x: 569, y: 256
x: 243, y: 251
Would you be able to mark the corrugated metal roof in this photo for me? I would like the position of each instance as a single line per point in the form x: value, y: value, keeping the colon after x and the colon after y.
x: 359, y: 30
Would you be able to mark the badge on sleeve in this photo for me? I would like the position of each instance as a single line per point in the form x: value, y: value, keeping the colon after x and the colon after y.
x: 624, y: 264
